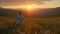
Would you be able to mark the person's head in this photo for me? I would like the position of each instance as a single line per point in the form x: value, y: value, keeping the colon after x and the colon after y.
x: 20, y: 13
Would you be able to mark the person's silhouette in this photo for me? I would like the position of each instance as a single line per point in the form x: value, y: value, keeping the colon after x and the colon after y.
x: 20, y: 18
x: 19, y: 22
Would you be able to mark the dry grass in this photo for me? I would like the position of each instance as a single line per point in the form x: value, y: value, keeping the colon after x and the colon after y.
x: 34, y: 23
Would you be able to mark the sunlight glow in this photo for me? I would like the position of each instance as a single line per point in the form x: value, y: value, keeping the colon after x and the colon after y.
x: 29, y: 7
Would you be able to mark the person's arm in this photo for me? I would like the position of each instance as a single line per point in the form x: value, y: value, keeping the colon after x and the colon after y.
x: 17, y: 20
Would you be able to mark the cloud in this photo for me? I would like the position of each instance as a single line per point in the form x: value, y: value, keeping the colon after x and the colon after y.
x: 17, y: 2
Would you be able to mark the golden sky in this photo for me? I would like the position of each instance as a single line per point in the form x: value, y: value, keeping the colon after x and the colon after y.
x: 32, y: 3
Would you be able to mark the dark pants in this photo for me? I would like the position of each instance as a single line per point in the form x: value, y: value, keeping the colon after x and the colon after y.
x: 18, y: 26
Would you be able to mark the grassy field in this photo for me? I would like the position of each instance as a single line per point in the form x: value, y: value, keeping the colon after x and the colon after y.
x: 33, y: 24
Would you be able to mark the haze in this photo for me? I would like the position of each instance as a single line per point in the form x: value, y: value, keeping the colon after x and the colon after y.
x: 37, y: 3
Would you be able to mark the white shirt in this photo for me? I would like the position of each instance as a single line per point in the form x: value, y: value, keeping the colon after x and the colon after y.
x: 20, y: 19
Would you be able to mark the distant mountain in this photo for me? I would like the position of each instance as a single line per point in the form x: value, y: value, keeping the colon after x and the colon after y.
x: 47, y: 12
x: 7, y: 12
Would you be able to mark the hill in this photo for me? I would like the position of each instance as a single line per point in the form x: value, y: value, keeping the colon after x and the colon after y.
x: 47, y: 12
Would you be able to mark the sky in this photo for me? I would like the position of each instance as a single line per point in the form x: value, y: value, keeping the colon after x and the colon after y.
x: 33, y: 3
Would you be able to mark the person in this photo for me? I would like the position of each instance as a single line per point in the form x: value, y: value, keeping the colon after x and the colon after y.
x: 20, y: 19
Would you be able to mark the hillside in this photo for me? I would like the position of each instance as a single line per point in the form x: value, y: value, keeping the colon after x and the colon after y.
x: 48, y: 12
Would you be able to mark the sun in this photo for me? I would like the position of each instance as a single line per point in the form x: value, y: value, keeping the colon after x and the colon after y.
x: 29, y: 7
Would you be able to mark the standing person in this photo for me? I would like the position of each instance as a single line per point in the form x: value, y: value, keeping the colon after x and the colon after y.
x: 19, y: 21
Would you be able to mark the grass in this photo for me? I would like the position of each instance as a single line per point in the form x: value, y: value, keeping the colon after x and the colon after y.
x: 34, y: 24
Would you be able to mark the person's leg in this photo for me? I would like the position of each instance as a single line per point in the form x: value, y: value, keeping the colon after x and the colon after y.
x: 15, y: 29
